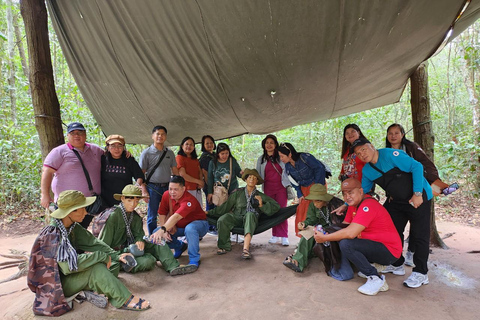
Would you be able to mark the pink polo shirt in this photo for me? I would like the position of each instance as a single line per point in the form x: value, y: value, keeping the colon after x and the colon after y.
x: 69, y: 173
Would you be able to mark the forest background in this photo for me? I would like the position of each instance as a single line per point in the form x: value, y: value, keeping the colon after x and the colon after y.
x: 454, y: 86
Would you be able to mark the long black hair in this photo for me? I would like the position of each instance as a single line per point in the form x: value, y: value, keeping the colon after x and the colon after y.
x: 222, y: 147
x: 265, y: 156
x: 402, y: 130
x: 180, y: 152
x: 287, y: 148
x: 345, y: 144
x: 205, y: 137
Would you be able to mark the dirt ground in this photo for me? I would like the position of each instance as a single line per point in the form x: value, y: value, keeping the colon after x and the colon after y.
x: 227, y: 287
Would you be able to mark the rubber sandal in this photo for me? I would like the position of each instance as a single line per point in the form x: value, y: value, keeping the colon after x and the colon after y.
x: 221, y: 251
x: 288, y: 262
x: 183, y: 269
x: 137, y: 306
x: 246, y: 254
x: 98, y: 300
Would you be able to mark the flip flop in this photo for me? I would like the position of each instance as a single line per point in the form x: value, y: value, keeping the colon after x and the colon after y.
x: 246, y: 254
x: 98, y: 300
x: 183, y: 269
x: 221, y: 251
x: 137, y: 306
x: 288, y: 262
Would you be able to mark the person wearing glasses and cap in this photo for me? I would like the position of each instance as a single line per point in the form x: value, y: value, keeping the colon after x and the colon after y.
x: 409, y: 198
x: 57, y: 271
x: 62, y: 169
x: 242, y: 209
x: 118, y: 170
x: 123, y: 231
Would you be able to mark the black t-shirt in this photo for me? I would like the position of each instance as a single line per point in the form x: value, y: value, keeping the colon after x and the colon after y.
x: 116, y: 174
x: 205, y: 159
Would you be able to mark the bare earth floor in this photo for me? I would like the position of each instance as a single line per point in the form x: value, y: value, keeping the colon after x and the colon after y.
x: 227, y: 287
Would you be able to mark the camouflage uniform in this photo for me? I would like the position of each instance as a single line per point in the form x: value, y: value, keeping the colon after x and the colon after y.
x: 114, y: 234
x: 92, y: 273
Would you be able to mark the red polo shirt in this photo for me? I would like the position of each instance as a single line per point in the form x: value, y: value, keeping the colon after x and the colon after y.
x: 187, y: 206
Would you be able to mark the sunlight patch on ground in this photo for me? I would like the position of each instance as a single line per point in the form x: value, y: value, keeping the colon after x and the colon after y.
x: 451, y: 277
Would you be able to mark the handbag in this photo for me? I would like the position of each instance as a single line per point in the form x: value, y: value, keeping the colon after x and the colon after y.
x: 99, y: 205
x: 220, y: 193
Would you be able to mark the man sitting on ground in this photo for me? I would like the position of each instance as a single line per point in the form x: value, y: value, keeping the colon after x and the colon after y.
x: 181, y: 215
x: 318, y: 213
x: 123, y: 231
x: 56, y: 270
x: 370, y: 236
x: 242, y: 209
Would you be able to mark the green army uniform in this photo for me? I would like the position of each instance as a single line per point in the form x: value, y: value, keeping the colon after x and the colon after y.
x: 314, y: 217
x: 233, y: 214
x: 92, y: 273
x: 114, y: 234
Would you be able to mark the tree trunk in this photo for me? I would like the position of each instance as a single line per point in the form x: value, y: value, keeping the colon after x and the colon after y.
x: 11, y: 63
x: 422, y: 132
x: 46, y: 107
x: 21, y: 50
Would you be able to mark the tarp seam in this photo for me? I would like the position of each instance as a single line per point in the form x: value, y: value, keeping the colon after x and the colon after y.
x: 341, y: 11
x: 215, y: 65
x: 119, y: 63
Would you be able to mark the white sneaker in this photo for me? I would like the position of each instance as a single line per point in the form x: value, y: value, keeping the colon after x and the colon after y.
x: 273, y: 240
x: 373, y: 285
x: 409, y: 259
x: 416, y: 280
x: 398, y: 271
x: 285, y: 242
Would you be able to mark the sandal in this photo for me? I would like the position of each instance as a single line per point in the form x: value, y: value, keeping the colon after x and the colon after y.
x: 246, y: 254
x: 291, y: 263
x: 129, y: 305
x: 183, y: 269
x: 221, y: 251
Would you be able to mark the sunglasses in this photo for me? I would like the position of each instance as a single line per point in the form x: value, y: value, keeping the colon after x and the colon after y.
x: 283, y: 145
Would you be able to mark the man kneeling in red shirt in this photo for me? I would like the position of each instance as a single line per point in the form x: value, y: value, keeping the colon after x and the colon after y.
x: 370, y: 237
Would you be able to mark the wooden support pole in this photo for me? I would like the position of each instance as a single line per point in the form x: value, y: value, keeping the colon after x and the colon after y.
x: 422, y: 132
x: 45, y: 102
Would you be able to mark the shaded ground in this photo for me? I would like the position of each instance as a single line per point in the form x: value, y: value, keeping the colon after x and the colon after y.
x: 227, y: 287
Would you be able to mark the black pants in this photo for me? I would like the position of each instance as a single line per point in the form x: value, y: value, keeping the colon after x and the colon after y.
x: 401, y: 213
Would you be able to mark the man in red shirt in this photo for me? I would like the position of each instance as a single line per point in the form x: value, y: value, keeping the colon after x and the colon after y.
x: 370, y: 237
x: 180, y: 214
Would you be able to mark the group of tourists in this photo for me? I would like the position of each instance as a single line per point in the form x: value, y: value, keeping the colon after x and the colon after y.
x: 88, y: 181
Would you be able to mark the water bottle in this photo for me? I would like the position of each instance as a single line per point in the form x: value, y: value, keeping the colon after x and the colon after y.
x: 320, y: 229
x: 147, y: 239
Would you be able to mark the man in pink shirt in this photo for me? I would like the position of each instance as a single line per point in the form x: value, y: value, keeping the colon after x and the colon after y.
x: 62, y: 169
x: 371, y: 236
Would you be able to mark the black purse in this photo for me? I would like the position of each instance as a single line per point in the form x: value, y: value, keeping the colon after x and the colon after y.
x: 99, y: 205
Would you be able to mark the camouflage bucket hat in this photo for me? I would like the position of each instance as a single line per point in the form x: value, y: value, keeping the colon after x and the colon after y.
x: 130, y: 190
x: 319, y: 192
x: 71, y: 200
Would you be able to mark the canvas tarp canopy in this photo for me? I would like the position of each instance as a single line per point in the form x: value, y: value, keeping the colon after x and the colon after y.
x: 226, y: 68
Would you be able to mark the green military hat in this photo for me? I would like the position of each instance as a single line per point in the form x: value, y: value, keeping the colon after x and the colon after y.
x: 319, y: 192
x: 254, y: 172
x: 71, y: 200
x: 130, y: 190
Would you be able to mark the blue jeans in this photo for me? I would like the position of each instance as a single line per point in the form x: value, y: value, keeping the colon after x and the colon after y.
x: 345, y: 272
x: 193, y: 232
x: 362, y: 252
x: 155, y: 192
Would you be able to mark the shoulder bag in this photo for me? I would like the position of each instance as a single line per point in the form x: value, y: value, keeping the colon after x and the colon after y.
x: 220, y: 193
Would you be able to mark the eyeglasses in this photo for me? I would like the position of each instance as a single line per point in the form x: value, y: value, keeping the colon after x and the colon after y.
x: 115, y: 146
x: 77, y: 133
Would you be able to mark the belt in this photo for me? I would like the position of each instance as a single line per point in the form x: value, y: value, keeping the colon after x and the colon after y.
x: 159, y: 184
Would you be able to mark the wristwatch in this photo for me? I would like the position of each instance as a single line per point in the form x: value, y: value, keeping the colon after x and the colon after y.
x: 163, y: 228
x: 418, y: 194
